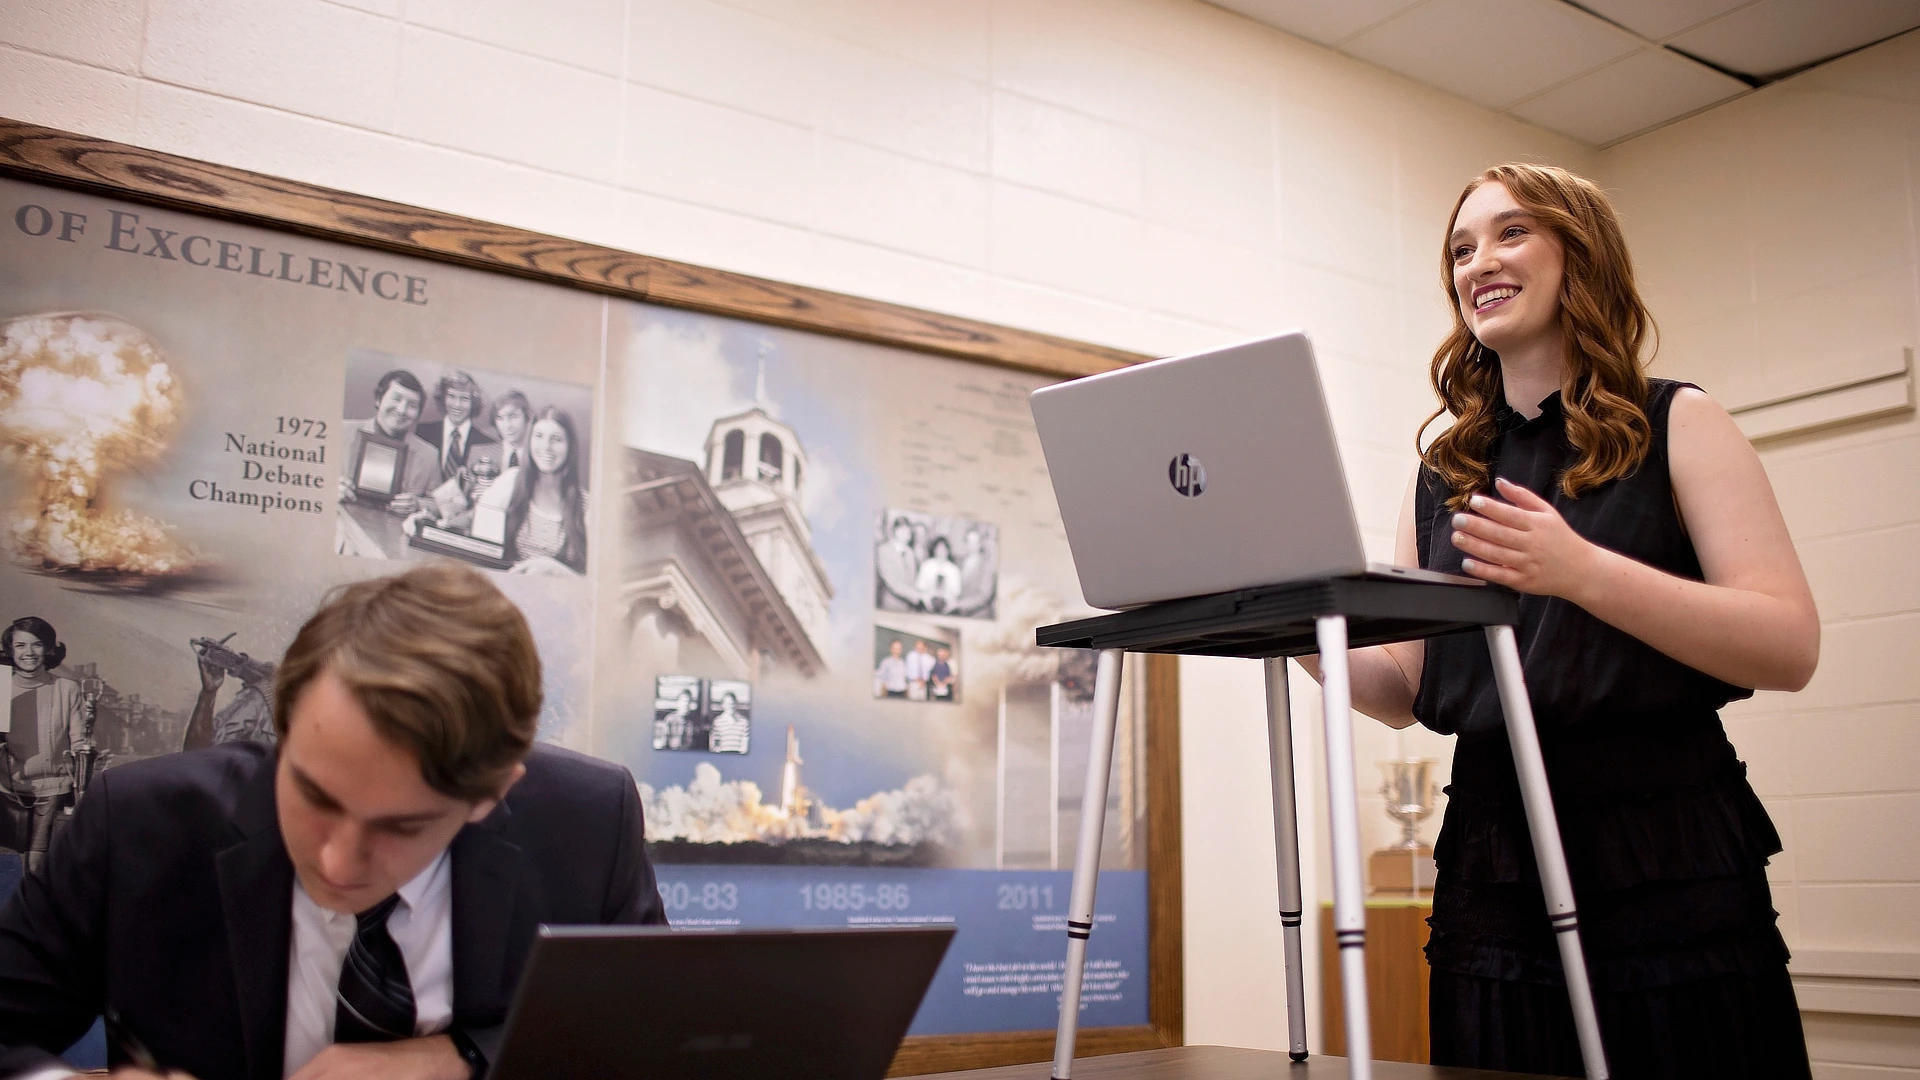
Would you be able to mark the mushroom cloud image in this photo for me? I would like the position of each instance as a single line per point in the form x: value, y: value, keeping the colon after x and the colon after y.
x: 83, y: 396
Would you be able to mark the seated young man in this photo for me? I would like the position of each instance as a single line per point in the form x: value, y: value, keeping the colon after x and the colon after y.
x: 359, y: 903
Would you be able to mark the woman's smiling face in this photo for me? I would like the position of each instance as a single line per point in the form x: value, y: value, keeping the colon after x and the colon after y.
x: 548, y: 446
x: 1507, y: 269
x: 29, y: 652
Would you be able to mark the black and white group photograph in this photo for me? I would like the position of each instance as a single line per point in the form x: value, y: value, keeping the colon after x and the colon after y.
x: 711, y: 715
x: 935, y: 564
x: 479, y: 465
x: 916, y: 667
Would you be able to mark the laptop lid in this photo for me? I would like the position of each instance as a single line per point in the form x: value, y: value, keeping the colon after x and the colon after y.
x: 618, y: 1002
x: 1199, y: 474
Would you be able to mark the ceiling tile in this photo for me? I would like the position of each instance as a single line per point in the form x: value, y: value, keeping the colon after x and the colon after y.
x: 1777, y: 36
x: 1492, y: 52
x: 1317, y: 20
x: 1632, y: 95
x: 1657, y: 19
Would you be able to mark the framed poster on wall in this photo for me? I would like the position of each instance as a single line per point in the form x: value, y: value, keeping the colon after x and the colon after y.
x: 785, y: 563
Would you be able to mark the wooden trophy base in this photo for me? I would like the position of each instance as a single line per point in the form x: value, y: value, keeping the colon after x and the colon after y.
x: 1401, y: 872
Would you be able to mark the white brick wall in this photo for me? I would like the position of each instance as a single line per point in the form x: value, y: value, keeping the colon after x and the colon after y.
x: 1158, y: 175
x: 1205, y: 176
x: 1776, y: 237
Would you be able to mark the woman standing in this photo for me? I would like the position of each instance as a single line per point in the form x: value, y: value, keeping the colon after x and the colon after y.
x: 547, y: 515
x: 938, y: 579
x: 45, y: 720
x: 1657, y: 583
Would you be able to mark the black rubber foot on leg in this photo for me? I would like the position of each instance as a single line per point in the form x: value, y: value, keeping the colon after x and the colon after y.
x: 1297, y: 1055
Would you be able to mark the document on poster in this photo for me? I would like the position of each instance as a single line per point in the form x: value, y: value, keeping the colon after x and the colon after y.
x: 1005, y: 968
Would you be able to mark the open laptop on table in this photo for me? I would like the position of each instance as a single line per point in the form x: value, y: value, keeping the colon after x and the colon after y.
x: 626, y: 1002
x: 1204, y: 474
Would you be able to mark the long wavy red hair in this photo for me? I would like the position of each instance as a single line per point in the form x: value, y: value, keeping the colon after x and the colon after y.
x: 1602, y: 318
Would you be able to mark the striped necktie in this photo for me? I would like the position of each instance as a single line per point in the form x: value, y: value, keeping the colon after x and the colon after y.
x: 376, y: 999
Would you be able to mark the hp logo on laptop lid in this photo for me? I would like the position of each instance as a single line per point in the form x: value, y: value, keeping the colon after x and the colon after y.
x: 1188, y: 477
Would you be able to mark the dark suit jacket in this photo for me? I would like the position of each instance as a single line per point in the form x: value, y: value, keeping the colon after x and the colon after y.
x: 435, y: 433
x: 170, y: 899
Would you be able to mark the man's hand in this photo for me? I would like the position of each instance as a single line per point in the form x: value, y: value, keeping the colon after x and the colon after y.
x: 211, y: 675
x: 429, y: 1058
x: 1524, y: 544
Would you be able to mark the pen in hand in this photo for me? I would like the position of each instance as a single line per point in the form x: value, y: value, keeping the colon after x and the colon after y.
x: 136, y: 1051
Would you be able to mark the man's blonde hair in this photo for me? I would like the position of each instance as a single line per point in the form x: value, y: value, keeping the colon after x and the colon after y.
x: 443, y: 664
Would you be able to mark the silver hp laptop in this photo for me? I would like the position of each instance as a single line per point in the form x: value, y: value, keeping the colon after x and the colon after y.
x: 1203, y: 474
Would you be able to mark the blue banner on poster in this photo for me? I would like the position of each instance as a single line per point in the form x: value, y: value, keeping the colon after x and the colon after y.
x: 1004, y: 969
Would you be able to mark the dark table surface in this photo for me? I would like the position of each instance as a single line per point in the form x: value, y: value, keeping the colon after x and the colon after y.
x: 1278, y: 620
x: 1217, y: 1063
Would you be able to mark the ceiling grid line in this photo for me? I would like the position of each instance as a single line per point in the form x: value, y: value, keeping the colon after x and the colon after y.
x: 1598, y: 71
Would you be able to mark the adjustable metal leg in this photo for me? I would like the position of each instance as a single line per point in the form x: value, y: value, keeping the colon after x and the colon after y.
x: 1086, y: 858
x: 1547, y: 849
x: 1349, y: 902
x: 1286, y: 850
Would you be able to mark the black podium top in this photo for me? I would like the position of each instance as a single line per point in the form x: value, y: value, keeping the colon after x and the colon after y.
x: 1278, y: 620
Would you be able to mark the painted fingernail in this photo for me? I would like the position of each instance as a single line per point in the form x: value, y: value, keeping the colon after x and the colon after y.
x: 1477, y: 501
x: 1459, y: 520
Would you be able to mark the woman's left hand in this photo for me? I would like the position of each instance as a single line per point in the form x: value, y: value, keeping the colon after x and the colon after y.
x: 1522, y: 543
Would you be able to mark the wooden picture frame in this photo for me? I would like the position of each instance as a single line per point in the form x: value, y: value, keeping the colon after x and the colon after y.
x: 63, y: 159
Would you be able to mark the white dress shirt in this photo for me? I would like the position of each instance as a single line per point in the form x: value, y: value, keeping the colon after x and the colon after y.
x: 463, y: 432
x: 890, y: 676
x: 919, y: 666
x: 421, y: 925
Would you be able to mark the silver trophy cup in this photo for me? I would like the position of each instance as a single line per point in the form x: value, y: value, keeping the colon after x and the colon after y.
x: 1409, y: 791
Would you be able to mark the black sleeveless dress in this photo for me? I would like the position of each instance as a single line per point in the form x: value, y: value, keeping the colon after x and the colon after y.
x: 1666, y: 842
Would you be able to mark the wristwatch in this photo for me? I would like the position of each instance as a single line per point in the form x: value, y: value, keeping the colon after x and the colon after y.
x: 469, y: 1052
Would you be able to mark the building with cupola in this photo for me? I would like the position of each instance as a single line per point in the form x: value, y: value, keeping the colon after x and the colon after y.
x: 720, y: 578
x: 758, y: 469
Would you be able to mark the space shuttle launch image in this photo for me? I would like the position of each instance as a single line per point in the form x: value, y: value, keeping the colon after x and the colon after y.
x: 712, y: 820
x: 793, y: 797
